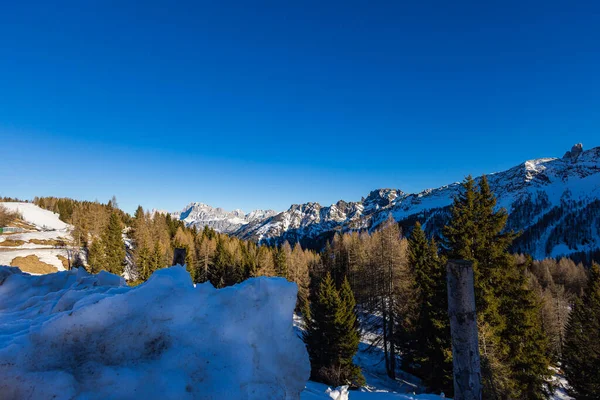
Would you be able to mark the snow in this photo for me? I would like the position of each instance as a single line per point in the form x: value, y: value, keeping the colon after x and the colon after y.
x: 560, y: 384
x: 46, y: 255
x: 43, y: 219
x: 27, y: 236
x: 51, y: 228
x: 75, y: 335
x: 319, y: 391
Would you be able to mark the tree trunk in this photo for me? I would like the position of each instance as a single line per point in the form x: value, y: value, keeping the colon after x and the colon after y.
x: 463, y: 326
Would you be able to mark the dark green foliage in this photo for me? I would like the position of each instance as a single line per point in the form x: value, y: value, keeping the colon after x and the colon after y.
x: 581, y: 358
x: 425, y: 345
x: 114, y: 248
x: 144, y: 262
x: 219, y: 274
x: 96, y: 258
x: 331, y: 335
x: 512, y: 344
x: 281, y: 261
x: 349, y: 334
x: 527, y: 344
x: 156, y: 259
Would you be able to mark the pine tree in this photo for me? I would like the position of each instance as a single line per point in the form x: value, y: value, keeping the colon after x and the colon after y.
x: 331, y: 335
x: 349, y: 335
x: 476, y: 233
x: 281, y: 260
x: 144, y: 262
x: 113, y: 245
x: 156, y: 260
x: 527, y: 344
x: 217, y: 274
x: 96, y: 258
x: 426, y: 346
x: 581, y: 358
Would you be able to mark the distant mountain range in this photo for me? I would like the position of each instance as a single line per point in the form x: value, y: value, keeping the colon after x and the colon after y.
x: 201, y: 215
x: 553, y: 202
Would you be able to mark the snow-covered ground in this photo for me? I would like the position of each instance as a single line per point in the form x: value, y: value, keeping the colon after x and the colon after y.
x: 45, y: 255
x: 43, y: 219
x: 41, y: 241
x: 318, y: 391
x: 561, y: 384
x: 378, y: 384
x: 74, y: 335
x: 37, y: 235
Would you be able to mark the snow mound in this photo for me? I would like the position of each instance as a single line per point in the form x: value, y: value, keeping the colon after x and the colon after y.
x: 75, y: 335
x: 37, y: 216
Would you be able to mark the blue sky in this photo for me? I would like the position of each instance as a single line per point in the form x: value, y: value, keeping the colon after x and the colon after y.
x: 263, y: 104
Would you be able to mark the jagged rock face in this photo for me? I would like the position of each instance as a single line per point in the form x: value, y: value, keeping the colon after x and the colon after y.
x: 574, y: 153
x: 201, y: 215
x: 555, y: 203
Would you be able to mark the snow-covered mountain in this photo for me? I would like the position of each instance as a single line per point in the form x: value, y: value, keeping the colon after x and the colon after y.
x: 201, y: 215
x: 554, y: 202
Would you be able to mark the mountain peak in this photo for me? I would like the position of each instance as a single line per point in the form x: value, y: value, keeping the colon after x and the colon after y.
x: 573, y: 155
x: 200, y: 215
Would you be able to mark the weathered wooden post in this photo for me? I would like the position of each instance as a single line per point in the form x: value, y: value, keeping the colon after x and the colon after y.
x: 463, y: 327
x: 179, y: 255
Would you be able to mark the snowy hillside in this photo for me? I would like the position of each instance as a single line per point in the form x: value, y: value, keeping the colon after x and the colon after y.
x: 201, y: 215
x: 41, y: 244
x: 40, y: 218
x: 554, y: 202
x: 74, y: 335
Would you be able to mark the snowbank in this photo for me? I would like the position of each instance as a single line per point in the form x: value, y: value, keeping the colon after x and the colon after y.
x: 74, y: 335
x: 37, y: 216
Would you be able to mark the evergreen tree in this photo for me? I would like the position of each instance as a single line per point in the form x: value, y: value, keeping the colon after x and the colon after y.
x: 476, y: 233
x: 221, y: 262
x: 281, y: 260
x: 581, y: 357
x: 144, y: 261
x: 527, y: 344
x: 113, y: 245
x: 426, y: 346
x: 156, y: 260
x: 139, y: 213
x: 331, y: 335
x: 96, y: 258
x: 349, y: 334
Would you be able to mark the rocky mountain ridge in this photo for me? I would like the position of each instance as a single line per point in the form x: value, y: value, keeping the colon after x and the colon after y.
x: 553, y: 202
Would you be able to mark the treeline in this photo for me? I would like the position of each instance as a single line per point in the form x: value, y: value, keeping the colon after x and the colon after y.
x: 102, y: 229
x: 214, y: 257
x: 89, y: 218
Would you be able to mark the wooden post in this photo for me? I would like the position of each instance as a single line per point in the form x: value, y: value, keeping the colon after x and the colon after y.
x: 179, y: 255
x: 463, y: 327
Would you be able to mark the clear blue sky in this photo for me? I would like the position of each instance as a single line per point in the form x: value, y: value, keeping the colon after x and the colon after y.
x: 255, y: 104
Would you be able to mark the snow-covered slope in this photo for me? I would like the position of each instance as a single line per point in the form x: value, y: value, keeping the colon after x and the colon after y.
x: 201, y: 215
x: 42, y: 219
x: 554, y: 202
x: 74, y: 335
x: 42, y: 247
